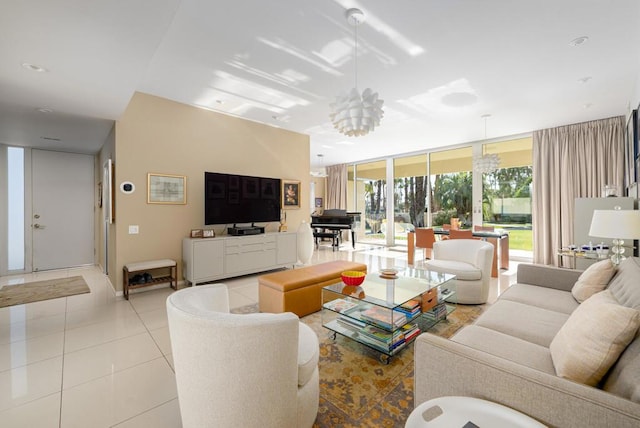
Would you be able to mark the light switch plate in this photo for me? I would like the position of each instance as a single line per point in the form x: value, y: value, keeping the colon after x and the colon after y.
x: 133, y: 229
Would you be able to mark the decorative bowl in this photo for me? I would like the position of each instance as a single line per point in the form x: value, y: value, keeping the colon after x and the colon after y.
x: 352, y: 277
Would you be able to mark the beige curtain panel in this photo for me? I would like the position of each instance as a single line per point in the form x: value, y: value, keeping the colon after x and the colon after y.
x: 337, y: 187
x: 574, y: 161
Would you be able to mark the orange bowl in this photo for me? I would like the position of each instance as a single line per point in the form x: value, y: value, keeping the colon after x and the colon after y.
x: 352, y: 277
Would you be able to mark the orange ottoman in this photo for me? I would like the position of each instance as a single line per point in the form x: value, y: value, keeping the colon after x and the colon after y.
x: 300, y: 290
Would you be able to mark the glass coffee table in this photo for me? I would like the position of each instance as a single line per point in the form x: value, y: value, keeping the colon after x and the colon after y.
x: 387, y: 312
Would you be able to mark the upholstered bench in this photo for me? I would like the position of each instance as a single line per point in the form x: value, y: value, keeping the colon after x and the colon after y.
x: 300, y: 290
x: 144, y: 267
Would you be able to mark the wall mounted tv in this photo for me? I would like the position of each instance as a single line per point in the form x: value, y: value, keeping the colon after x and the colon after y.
x: 230, y: 198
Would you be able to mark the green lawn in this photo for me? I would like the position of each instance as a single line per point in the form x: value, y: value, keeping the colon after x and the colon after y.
x: 521, y: 240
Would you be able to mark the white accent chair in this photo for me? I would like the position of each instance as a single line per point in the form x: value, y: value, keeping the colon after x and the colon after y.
x: 470, y: 260
x: 244, y: 370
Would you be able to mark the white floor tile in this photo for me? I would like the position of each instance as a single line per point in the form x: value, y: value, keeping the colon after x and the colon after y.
x: 162, y: 339
x: 22, y: 353
x: 102, y: 332
x: 23, y: 328
x: 154, y: 319
x: 35, y: 310
x: 24, y: 384
x: 112, y: 399
x: 150, y: 300
x: 102, y: 360
x: 97, y: 314
x: 41, y: 413
x: 164, y: 416
x: 237, y: 300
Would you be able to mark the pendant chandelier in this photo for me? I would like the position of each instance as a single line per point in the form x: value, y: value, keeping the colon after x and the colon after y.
x: 353, y: 114
x: 489, y: 162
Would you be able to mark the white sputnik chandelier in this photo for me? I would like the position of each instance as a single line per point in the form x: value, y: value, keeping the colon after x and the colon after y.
x: 352, y: 114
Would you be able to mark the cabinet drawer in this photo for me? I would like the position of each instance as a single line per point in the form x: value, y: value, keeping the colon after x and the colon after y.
x: 429, y: 299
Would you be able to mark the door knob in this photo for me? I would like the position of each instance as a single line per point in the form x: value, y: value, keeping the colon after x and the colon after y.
x: 38, y: 226
x: 36, y: 216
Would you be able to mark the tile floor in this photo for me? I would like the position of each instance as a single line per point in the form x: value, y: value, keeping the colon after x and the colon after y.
x: 97, y: 360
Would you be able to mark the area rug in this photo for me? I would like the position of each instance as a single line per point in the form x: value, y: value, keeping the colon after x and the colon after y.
x: 356, y: 388
x: 29, y: 292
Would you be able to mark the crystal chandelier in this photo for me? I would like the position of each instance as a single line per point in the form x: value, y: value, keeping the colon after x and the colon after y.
x: 487, y: 163
x: 353, y: 114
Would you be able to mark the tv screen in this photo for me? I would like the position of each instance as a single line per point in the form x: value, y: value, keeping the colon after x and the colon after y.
x: 230, y: 198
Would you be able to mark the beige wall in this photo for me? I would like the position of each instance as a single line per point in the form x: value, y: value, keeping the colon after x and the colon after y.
x: 161, y: 136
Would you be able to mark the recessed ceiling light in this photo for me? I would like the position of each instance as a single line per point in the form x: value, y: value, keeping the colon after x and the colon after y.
x: 34, y: 67
x: 584, y: 79
x: 485, y: 116
x: 578, y: 41
x: 50, y: 138
x: 220, y: 101
x: 44, y: 110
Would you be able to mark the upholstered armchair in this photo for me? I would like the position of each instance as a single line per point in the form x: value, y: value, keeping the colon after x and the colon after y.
x: 470, y: 260
x: 241, y: 370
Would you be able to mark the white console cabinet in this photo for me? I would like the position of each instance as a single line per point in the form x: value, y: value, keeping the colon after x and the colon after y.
x: 209, y: 259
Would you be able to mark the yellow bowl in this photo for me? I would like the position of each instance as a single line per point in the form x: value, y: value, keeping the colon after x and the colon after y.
x: 352, y: 277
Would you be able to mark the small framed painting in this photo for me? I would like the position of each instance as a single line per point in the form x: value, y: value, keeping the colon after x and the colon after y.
x: 166, y: 189
x: 290, y: 194
x: 196, y: 233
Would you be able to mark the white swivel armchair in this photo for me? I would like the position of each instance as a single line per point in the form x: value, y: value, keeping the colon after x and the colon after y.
x: 237, y: 370
x: 470, y: 260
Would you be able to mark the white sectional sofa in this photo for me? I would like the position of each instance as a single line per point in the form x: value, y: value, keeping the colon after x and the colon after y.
x: 509, y: 355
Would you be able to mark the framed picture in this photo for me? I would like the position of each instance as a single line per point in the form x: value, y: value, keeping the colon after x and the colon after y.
x: 196, y: 233
x: 629, y: 150
x: 290, y: 194
x: 318, y: 202
x: 166, y: 189
x: 208, y: 233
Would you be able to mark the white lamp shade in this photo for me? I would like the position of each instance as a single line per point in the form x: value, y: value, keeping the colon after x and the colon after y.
x: 616, y: 224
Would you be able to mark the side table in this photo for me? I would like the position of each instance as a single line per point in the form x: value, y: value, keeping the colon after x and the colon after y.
x: 467, y: 412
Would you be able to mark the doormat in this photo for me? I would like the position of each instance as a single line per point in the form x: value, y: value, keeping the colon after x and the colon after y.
x: 30, y: 292
x: 356, y: 388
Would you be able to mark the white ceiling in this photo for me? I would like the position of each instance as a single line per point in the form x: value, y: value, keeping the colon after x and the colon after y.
x: 439, y: 66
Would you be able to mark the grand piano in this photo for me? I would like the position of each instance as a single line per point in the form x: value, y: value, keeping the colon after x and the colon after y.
x: 331, y: 223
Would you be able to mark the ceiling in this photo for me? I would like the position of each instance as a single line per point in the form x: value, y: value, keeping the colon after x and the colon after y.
x: 439, y: 65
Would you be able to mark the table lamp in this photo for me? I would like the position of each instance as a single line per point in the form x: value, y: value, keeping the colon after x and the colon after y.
x: 616, y: 224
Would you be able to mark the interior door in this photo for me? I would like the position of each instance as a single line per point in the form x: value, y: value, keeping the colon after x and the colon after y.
x: 62, y: 216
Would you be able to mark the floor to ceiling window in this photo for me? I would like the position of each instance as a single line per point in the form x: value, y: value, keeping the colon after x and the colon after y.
x: 451, y: 181
x: 410, y: 187
x: 370, y: 196
x: 506, y: 192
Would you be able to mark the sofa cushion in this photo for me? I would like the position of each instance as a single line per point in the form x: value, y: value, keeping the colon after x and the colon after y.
x: 625, y: 285
x: 308, y: 353
x: 593, y: 338
x: 526, y: 322
x: 542, y: 297
x: 507, y: 347
x: 462, y: 270
x: 593, y: 280
x: 624, y: 377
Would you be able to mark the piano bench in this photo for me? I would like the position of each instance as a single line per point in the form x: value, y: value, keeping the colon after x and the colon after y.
x: 300, y: 290
x: 334, y: 235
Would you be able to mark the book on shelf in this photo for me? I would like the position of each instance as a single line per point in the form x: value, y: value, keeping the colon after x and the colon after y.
x: 383, y: 317
x: 411, y: 305
x: 341, y: 305
x: 345, y: 320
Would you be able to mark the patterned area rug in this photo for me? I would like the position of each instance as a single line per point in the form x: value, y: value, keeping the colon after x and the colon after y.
x: 356, y: 389
x: 20, y: 294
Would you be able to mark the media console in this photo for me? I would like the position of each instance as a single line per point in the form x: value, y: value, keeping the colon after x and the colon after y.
x: 210, y: 259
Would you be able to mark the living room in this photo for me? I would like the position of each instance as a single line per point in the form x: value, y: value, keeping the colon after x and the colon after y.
x: 167, y: 135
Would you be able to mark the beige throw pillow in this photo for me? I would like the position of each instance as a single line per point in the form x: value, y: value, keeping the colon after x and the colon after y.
x: 593, y: 338
x: 593, y: 280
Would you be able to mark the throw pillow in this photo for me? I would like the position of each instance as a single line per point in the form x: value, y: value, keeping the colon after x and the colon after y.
x: 593, y: 280
x: 593, y: 338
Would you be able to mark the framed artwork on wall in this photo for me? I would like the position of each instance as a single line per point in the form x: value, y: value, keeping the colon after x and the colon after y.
x: 290, y: 194
x: 166, y: 189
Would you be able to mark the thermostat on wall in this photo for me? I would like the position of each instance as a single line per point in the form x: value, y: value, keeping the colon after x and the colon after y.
x: 127, y: 187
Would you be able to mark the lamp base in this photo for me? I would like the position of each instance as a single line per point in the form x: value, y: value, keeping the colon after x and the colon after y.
x: 618, y: 252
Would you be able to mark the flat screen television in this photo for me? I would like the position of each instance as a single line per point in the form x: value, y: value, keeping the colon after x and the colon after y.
x: 230, y: 198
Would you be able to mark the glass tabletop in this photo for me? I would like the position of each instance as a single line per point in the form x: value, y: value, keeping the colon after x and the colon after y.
x: 391, y: 292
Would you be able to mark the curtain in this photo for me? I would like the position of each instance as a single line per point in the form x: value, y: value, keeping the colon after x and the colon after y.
x: 574, y: 161
x: 337, y: 187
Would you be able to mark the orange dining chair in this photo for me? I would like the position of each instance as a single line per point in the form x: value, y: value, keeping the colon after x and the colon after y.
x: 425, y: 239
x: 460, y: 234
